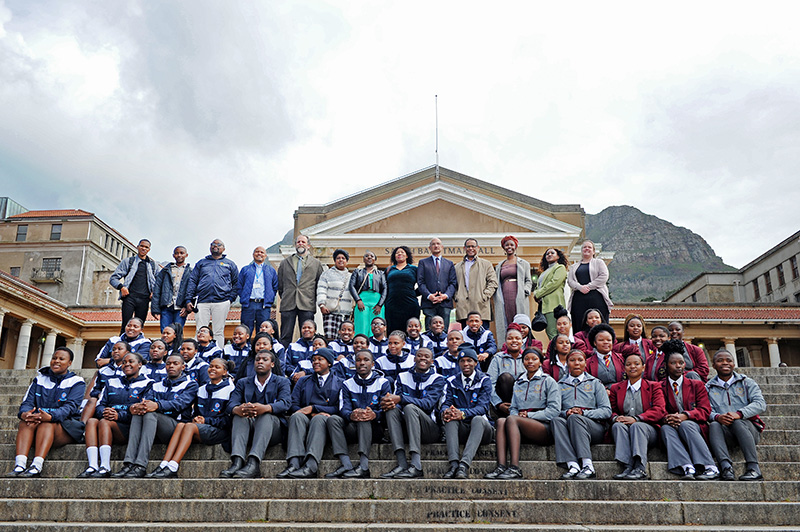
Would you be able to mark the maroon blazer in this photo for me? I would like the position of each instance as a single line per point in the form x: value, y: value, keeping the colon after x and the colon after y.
x: 554, y: 370
x: 699, y: 359
x: 583, y: 338
x: 695, y: 400
x: 652, y: 401
x: 627, y: 348
x: 650, y: 363
x: 593, y: 362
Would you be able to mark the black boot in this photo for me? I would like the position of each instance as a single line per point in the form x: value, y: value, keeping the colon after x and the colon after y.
x: 236, y: 464
x: 251, y: 470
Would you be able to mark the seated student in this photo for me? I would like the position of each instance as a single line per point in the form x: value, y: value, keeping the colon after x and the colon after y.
x: 113, y: 421
x: 172, y: 335
x: 479, y: 338
x: 464, y: 413
x: 656, y: 363
x: 591, y: 318
x: 437, y: 336
x: 49, y: 414
x: 343, y: 345
x: 261, y: 342
x: 736, y: 403
x: 304, y: 366
x: 345, y: 367
x: 314, y: 399
x: 166, y: 403
x: 133, y: 336
x: 257, y: 405
x: 299, y: 349
x: 113, y: 369
x: 378, y: 341
x: 556, y: 364
x: 239, y: 347
x: 156, y: 368
x: 604, y: 363
x: 635, y: 339
x: 416, y: 395
x: 270, y: 326
x: 637, y: 407
x: 196, y: 368
x: 210, y: 421
x: 696, y: 362
x: 685, y: 422
x: 359, y: 417
x: 207, y: 348
x: 585, y: 411
x: 564, y: 326
x: 447, y: 362
x: 528, y: 340
x: 536, y: 402
x: 397, y: 359
x: 414, y: 338
x: 504, y: 369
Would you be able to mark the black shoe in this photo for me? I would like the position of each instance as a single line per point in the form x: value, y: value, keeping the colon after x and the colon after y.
x: 287, y: 472
x: 101, y: 473
x: 251, y: 470
x: 357, y: 472
x: 624, y: 474
x: 569, y: 475
x: 451, y: 472
x: 585, y: 474
x: 393, y: 473
x: 303, y: 472
x: 637, y: 474
x: 122, y: 472
x: 35, y: 472
x: 727, y: 474
x: 411, y: 472
x: 751, y: 474
x: 136, y: 471
x: 462, y: 471
x: 18, y: 470
x: 165, y: 472
x: 511, y: 473
x: 496, y: 473
x: 87, y: 473
x: 707, y: 475
x: 155, y: 472
x: 236, y: 464
x: 688, y: 476
x: 338, y: 473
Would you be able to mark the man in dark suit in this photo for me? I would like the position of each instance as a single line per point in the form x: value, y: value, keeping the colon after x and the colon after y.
x: 436, y: 277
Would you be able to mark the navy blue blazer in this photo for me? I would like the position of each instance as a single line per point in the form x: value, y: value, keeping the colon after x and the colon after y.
x: 430, y: 283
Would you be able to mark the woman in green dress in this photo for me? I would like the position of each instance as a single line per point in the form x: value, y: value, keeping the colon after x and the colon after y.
x: 368, y: 289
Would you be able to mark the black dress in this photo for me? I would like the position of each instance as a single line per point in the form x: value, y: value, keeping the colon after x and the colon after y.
x: 582, y: 302
x: 402, y: 302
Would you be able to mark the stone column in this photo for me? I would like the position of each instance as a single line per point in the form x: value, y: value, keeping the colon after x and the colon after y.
x: 77, y: 349
x: 730, y: 345
x: 49, y: 347
x: 774, y: 352
x: 23, y: 343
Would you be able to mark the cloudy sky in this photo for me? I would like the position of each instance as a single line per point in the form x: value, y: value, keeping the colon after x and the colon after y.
x: 189, y: 120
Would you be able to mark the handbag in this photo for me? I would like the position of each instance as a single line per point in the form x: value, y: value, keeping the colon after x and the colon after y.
x: 539, y: 322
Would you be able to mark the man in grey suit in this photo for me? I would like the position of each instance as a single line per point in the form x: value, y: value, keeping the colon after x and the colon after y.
x: 298, y: 276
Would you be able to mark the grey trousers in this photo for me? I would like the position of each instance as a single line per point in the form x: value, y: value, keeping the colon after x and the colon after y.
x: 632, y: 441
x: 307, y: 436
x: 340, y: 430
x: 144, y: 430
x: 740, y: 431
x: 574, y: 436
x: 266, y: 430
x: 419, y: 426
x: 476, y: 431
x: 685, y: 445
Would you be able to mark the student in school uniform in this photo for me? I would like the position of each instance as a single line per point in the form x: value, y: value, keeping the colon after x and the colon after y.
x: 261, y: 342
x: 343, y: 344
x: 194, y: 367
x: 604, y: 363
x: 300, y: 348
x: 133, y: 336
x: 590, y: 318
x: 345, y: 367
x: 378, y: 342
x: 555, y: 364
x: 239, y: 347
x: 156, y: 368
x: 505, y: 368
x: 695, y: 357
x: 480, y: 338
x: 414, y: 338
x: 634, y: 339
x: 447, y: 362
x: 207, y: 348
x: 437, y: 336
x: 397, y: 359
x: 656, y: 363
x: 108, y: 371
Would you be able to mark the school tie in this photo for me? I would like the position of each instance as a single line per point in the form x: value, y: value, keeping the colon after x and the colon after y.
x: 468, y: 383
x: 607, y: 360
x: 576, y: 381
x: 321, y: 381
x: 675, y: 388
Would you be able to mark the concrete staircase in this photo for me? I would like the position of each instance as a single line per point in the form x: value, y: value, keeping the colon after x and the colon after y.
x: 539, y: 502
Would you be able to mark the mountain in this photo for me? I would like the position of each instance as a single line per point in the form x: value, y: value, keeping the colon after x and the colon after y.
x: 652, y: 257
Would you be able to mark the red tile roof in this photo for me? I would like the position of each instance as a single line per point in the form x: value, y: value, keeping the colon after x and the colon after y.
x: 63, y: 213
x: 97, y: 316
x: 708, y: 313
x: 20, y: 281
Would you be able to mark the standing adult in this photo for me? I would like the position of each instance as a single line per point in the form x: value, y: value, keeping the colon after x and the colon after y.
x: 550, y: 286
x: 514, y: 279
x: 587, y: 279
x: 436, y: 277
x: 401, y: 292
x: 476, y: 283
x: 169, y: 292
x: 368, y: 290
x: 298, y: 276
x: 213, y: 282
x: 333, y: 295
x: 258, y: 284
x: 135, y: 284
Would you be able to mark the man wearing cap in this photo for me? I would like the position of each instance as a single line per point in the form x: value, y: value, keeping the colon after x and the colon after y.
x: 464, y: 412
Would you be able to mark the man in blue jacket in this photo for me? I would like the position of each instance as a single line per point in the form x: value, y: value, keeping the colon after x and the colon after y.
x: 169, y: 292
x: 436, y: 277
x: 213, y: 282
x: 257, y: 405
x: 258, y: 284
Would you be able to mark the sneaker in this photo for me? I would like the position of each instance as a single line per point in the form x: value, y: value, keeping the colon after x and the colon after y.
x: 499, y: 470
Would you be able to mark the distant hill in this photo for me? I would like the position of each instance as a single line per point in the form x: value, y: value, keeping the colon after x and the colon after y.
x: 652, y: 256
x: 287, y: 241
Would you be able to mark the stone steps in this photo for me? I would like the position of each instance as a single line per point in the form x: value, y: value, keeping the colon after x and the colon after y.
x: 371, y: 527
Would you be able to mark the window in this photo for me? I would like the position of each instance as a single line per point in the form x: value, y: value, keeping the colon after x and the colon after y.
x: 768, y: 282
x: 756, y: 291
x: 22, y: 233
x: 781, y: 277
x: 793, y: 262
x: 51, y: 265
x: 15, y: 271
x: 55, y: 232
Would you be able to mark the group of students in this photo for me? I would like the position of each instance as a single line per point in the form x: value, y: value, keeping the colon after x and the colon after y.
x: 416, y: 387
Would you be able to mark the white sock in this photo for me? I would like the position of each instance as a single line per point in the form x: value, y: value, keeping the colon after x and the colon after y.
x: 587, y: 462
x: 712, y: 469
x: 163, y: 464
x: 173, y: 466
x: 689, y: 469
x: 573, y: 465
x: 91, y: 454
x: 21, y: 460
x: 38, y: 462
x: 105, y: 457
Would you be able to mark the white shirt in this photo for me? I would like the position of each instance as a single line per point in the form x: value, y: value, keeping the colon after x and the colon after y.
x: 262, y: 386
